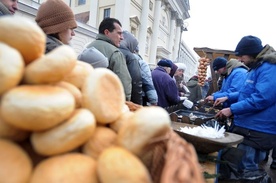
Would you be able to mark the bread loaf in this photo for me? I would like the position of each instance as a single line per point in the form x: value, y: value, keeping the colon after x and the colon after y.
x: 67, y: 136
x: 79, y: 74
x: 73, y: 90
x: 145, y: 125
x: 30, y: 40
x: 11, y: 67
x: 36, y: 107
x: 69, y: 168
x: 16, y: 165
x: 52, y: 67
x: 116, y: 164
x: 103, y: 95
x: 102, y: 138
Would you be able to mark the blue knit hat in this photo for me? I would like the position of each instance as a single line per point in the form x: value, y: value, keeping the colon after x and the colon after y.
x: 219, y: 62
x: 249, y: 45
x: 165, y: 63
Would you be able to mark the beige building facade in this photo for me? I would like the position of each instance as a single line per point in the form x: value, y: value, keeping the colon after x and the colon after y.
x: 157, y: 24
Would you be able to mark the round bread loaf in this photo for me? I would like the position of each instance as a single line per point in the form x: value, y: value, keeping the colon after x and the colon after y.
x: 30, y: 40
x: 79, y: 74
x: 52, y: 67
x: 102, y: 138
x: 69, y: 168
x: 11, y: 67
x: 103, y: 95
x: 116, y: 164
x: 36, y: 107
x: 73, y: 90
x: 16, y: 165
x: 145, y: 125
x: 121, y: 121
x: 67, y: 136
x: 12, y: 133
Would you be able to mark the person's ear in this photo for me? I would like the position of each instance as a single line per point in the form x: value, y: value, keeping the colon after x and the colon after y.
x: 106, y: 32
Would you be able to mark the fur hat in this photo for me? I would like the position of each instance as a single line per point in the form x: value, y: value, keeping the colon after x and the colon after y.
x: 249, y: 45
x: 219, y: 62
x: 55, y: 16
x: 181, y: 66
x: 94, y: 57
x: 165, y: 63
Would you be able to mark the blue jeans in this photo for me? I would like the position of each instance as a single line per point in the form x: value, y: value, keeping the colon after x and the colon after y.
x: 251, y: 158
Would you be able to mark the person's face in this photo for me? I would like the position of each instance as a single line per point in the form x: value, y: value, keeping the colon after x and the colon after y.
x: 246, y: 59
x: 66, y: 36
x: 116, y: 35
x: 168, y: 69
x: 221, y: 70
x: 12, y: 5
x: 179, y: 72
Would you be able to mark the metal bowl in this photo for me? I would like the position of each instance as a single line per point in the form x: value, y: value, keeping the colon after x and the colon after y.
x: 207, y: 145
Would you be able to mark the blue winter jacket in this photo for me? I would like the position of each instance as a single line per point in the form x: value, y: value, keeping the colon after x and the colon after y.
x: 236, y: 74
x: 165, y: 87
x: 255, y: 108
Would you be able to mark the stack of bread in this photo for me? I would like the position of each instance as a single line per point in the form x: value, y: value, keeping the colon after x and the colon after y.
x: 202, y: 70
x: 61, y: 120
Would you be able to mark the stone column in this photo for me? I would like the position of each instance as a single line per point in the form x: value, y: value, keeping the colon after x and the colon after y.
x: 93, y: 14
x: 122, y: 13
x: 172, y: 33
x: 143, y: 27
x: 177, y: 38
x: 155, y: 30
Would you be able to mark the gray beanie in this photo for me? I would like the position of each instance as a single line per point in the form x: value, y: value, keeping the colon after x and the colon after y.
x: 94, y: 57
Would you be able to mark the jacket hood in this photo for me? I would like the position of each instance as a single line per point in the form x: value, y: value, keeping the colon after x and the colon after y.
x: 192, y: 82
x: 234, y: 63
x: 129, y: 42
x: 268, y: 54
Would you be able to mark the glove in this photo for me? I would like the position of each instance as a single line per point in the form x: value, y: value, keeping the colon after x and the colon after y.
x: 187, y: 103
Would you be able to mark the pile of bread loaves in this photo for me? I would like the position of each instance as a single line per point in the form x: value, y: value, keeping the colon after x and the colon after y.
x: 202, y: 70
x: 61, y: 120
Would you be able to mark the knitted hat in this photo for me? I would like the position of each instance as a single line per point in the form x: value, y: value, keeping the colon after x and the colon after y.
x: 165, y: 63
x: 249, y: 45
x: 219, y: 62
x: 55, y: 16
x: 94, y: 57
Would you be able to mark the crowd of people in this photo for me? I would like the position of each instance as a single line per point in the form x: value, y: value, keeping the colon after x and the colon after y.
x: 246, y: 91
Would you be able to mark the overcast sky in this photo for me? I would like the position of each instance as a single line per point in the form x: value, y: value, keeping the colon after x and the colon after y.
x: 220, y: 24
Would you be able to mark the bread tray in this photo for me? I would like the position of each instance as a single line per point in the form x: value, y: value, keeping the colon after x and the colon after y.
x: 207, y: 145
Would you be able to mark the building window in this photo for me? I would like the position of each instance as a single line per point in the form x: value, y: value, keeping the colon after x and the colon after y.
x: 81, y: 2
x: 106, y: 13
x: 150, y: 5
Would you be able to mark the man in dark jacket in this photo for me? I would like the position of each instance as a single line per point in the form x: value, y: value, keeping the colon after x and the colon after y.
x: 164, y: 84
x: 8, y: 7
x: 127, y: 47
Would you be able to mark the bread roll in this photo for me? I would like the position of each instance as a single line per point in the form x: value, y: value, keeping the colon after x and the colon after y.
x: 11, y: 67
x: 52, y: 67
x: 69, y: 168
x: 102, y: 138
x: 116, y: 164
x: 36, y: 107
x: 121, y: 121
x: 12, y: 133
x: 79, y: 74
x: 103, y: 95
x: 30, y: 40
x: 16, y: 165
x: 67, y: 136
x: 73, y: 90
x: 145, y: 125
